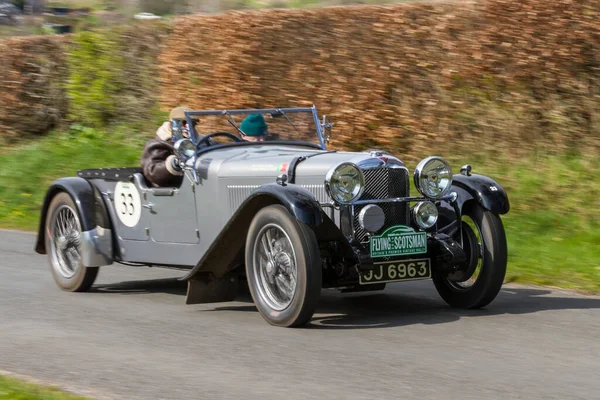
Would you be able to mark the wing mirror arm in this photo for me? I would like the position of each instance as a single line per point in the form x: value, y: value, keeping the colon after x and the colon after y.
x: 194, y: 172
x: 326, y: 126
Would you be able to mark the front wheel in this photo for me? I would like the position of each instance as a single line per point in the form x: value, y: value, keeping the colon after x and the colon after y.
x: 283, y: 267
x: 482, y: 276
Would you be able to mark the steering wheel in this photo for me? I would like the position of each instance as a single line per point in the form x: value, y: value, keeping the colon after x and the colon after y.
x: 209, y: 136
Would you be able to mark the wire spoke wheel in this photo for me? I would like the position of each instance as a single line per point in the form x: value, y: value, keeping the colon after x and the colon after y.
x: 65, y: 242
x: 283, y: 266
x: 65, y: 246
x: 276, y: 266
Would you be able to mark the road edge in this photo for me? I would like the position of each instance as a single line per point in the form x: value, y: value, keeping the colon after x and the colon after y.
x: 18, y: 231
x: 74, y: 390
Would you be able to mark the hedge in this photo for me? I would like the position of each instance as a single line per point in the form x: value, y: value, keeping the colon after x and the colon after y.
x: 514, y: 75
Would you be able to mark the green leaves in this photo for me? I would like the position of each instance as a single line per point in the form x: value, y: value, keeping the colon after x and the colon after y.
x: 112, y: 76
x: 94, y: 78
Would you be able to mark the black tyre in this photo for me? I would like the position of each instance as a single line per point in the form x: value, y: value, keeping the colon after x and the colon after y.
x: 483, y: 274
x: 283, y: 267
x: 63, y: 246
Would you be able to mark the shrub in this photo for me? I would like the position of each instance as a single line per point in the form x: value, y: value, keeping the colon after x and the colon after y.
x: 95, y: 79
x: 32, y: 77
x: 112, y: 75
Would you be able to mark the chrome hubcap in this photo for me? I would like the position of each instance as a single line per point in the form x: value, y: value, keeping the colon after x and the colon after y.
x: 65, y: 240
x: 275, y: 267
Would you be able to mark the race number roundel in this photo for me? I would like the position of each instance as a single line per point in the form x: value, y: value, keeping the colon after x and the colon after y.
x: 128, y: 203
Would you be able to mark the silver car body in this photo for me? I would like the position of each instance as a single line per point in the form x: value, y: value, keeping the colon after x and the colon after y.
x: 201, y: 225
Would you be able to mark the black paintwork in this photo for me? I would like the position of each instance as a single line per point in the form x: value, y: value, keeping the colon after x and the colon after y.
x: 299, y: 201
x: 292, y: 169
x: 297, y: 160
x: 109, y: 174
x: 472, y: 188
x: 479, y: 187
x: 90, y: 206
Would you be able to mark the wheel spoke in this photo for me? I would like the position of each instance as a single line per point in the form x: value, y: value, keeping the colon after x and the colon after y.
x: 263, y: 254
x: 284, y: 286
x: 59, y: 224
x: 63, y: 226
x: 269, y: 241
x: 274, y: 265
x: 266, y: 246
x: 66, y: 248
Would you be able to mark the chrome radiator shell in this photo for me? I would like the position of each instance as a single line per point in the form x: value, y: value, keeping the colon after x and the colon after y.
x: 383, y: 182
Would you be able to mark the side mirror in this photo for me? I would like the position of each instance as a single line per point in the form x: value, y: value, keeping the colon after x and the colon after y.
x: 185, y: 149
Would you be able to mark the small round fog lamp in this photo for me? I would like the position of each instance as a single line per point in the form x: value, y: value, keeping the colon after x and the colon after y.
x: 425, y: 214
x: 371, y: 218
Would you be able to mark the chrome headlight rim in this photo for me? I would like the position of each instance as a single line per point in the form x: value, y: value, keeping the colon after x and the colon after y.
x: 419, y: 170
x: 328, y: 185
x: 432, y: 220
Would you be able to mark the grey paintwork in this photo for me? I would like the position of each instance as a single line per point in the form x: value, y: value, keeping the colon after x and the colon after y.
x: 181, y: 226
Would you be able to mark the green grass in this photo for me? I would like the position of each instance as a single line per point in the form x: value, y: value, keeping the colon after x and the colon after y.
x: 553, y: 227
x: 14, y: 389
x: 27, y: 170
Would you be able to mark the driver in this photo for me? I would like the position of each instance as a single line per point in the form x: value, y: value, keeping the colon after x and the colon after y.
x: 254, y: 128
x: 159, y: 163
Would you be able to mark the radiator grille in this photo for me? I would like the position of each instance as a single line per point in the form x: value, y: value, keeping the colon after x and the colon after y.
x: 381, y: 183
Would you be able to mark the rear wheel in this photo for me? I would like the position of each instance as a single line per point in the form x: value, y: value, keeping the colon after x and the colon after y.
x: 283, y: 267
x: 481, y: 278
x: 63, y: 245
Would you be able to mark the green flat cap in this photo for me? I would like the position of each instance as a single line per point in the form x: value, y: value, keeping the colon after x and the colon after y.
x: 254, y: 125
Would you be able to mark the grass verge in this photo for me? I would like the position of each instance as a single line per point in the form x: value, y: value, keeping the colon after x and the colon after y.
x: 14, y: 389
x: 553, y: 228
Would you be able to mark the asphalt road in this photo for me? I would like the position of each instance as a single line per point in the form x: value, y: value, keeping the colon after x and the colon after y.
x: 133, y: 337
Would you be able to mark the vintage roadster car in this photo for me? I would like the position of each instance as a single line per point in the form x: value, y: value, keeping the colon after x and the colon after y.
x: 286, y: 216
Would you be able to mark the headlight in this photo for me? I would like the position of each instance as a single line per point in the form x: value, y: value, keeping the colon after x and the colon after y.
x: 433, y: 177
x: 425, y: 214
x: 345, y: 182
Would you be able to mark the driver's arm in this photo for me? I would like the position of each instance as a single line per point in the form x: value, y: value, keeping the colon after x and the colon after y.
x: 157, y: 164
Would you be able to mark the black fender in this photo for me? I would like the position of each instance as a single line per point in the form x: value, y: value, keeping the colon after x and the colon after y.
x: 299, y: 201
x: 473, y: 188
x: 88, y: 200
x: 484, y: 190
x: 227, y: 250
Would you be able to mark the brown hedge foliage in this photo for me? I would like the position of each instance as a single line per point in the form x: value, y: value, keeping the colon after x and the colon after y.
x: 409, y: 76
x: 32, y: 96
x: 509, y: 74
x: 41, y: 85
